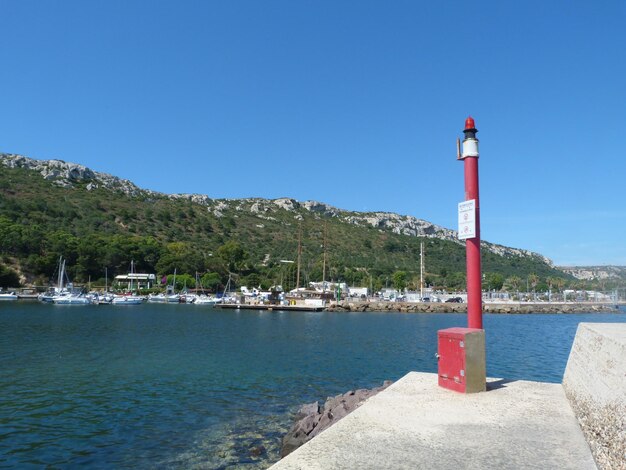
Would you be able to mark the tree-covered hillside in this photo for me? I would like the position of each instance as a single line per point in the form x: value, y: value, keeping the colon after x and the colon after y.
x: 94, y: 225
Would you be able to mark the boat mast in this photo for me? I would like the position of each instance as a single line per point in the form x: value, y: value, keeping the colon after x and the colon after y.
x: 61, y: 275
x: 421, y: 270
x: 299, y: 255
x: 227, y: 287
x: 199, y: 283
x: 324, y: 262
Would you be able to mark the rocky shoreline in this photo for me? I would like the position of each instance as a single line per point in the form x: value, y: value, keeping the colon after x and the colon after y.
x: 443, y: 307
x: 311, y: 419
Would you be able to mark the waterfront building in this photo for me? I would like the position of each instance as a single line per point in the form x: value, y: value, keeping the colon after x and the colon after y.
x: 135, y: 281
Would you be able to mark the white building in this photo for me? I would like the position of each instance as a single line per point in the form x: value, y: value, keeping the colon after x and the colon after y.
x: 358, y: 291
x: 136, y: 280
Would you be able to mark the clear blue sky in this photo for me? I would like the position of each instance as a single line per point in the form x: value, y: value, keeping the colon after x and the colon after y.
x: 356, y: 104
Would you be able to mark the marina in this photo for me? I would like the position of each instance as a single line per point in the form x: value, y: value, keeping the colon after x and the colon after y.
x: 300, y: 304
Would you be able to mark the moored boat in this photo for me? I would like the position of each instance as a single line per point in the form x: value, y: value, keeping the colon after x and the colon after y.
x: 127, y: 300
x: 59, y: 289
x: 206, y: 300
x: 8, y: 296
x: 164, y: 298
x: 71, y: 299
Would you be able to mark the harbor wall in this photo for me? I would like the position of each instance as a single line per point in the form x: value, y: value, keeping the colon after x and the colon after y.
x: 595, y: 384
x: 445, y: 307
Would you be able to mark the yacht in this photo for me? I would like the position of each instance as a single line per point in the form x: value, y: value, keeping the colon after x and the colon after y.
x: 71, y: 299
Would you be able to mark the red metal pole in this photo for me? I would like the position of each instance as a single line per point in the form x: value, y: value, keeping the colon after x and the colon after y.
x: 472, y: 245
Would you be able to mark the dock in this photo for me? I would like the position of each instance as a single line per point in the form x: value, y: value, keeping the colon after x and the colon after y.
x: 285, y: 308
x: 27, y: 296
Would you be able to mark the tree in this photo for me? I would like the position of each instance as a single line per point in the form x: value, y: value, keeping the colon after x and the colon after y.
x: 559, y: 282
x: 211, y: 281
x: 10, y: 236
x: 252, y: 280
x: 494, y: 281
x: 456, y: 280
x: 399, y: 280
x: 513, y: 283
x: 392, y: 246
x: 232, y: 254
x: 180, y: 256
x: 8, y: 277
x: 533, y: 279
x: 183, y: 281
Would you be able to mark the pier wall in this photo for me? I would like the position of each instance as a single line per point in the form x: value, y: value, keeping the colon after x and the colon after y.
x: 444, y: 307
x: 595, y: 384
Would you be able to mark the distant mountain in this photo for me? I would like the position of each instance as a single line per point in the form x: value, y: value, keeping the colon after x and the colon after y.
x: 596, y: 273
x: 50, y: 208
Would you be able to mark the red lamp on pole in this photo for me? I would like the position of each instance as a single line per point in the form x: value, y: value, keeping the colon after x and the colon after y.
x: 461, y: 351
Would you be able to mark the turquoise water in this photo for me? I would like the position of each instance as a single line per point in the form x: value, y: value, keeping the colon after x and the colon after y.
x: 183, y: 386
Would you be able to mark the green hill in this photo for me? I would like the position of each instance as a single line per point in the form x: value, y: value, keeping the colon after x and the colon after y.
x: 52, y: 208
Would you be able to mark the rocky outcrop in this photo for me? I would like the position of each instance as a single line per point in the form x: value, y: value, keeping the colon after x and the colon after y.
x: 287, y: 204
x: 311, y: 419
x: 591, y: 273
x: 443, y: 307
x: 68, y: 174
x: 201, y: 199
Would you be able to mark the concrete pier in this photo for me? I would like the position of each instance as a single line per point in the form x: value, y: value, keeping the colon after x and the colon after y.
x: 285, y: 308
x: 416, y: 424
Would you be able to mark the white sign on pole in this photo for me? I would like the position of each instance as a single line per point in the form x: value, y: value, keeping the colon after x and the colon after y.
x: 467, y: 219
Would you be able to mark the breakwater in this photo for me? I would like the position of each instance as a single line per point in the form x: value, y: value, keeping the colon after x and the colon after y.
x: 443, y: 307
x: 311, y: 419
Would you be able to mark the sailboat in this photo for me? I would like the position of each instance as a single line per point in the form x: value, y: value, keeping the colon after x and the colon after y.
x: 67, y: 296
x: 103, y: 298
x: 204, y: 299
x: 59, y: 288
x: 169, y: 297
x: 173, y: 298
x: 227, y: 296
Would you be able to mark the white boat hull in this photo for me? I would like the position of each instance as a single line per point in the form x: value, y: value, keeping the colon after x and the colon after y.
x: 127, y: 300
x: 71, y: 300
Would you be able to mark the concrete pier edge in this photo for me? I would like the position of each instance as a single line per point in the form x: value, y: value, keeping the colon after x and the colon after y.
x: 595, y: 384
x: 515, y: 424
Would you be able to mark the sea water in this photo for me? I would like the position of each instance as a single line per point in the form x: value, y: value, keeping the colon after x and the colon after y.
x: 183, y: 386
